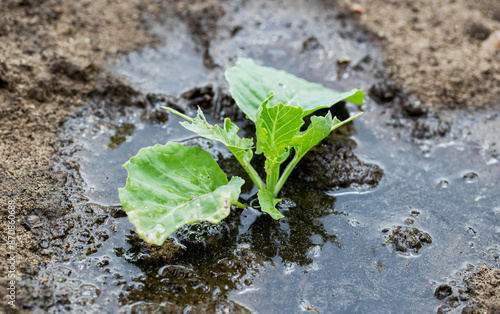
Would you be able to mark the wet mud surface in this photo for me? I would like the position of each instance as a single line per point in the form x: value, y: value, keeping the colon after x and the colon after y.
x: 396, y: 211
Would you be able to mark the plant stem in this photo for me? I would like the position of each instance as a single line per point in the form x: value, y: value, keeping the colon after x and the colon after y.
x: 345, y: 121
x: 254, y: 176
x: 240, y: 205
x: 178, y: 113
x: 286, y: 173
x: 273, y: 173
x: 250, y: 170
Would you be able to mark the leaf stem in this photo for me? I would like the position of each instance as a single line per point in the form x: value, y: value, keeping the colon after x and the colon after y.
x: 178, y: 113
x: 286, y: 173
x: 272, y: 178
x: 254, y: 176
x: 345, y: 121
x: 240, y: 205
x: 250, y: 170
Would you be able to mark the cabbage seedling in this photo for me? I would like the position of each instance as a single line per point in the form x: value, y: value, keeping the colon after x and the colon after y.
x: 171, y: 185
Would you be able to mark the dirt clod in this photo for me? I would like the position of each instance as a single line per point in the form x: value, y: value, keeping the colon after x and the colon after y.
x: 431, y: 127
x: 443, y: 291
x: 72, y: 71
x: 477, y: 31
x: 311, y: 43
x: 200, y: 97
x: 409, y: 112
x: 478, y: 292
x: 408, y: 239
x: 483, y: 286
x: 385, y: 90
x: 334, y: 165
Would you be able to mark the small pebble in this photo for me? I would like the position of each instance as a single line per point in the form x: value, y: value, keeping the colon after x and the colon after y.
x: 357, y: 8
x: 34, y: 221
x: 46, y: 252
x: 492, y: 44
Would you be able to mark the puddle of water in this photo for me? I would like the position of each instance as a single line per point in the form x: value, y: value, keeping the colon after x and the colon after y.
x: 171, y: 69
x: 107, y: 140
x: 366, y: 274
x: 333, y: 252
x: 307, y: 43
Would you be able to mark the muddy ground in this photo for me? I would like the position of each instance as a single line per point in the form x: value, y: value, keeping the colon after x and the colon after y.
x: 53, y: 57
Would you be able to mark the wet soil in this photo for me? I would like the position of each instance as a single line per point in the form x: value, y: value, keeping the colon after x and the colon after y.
x: 55, y: 64
x: 52, y: 56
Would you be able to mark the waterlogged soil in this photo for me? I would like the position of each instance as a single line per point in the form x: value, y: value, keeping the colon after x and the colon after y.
x: 398, y: 211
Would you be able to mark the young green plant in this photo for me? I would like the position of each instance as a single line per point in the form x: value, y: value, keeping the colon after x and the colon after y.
x: 171, y: 185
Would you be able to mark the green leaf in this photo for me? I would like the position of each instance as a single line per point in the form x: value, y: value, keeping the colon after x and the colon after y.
x: 276, y: 127
x: 241, y: 148
x: 268, y: 204
x: 227, y: 136
x: 172, y: 185
x: 319, y: 128
x: 250, y: 84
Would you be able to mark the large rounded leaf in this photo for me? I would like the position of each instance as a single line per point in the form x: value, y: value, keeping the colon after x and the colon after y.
x: 171, y: 185
x: 250, y: 84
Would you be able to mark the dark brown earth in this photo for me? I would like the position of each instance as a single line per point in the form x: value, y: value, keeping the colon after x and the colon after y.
x: 53, y: 57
